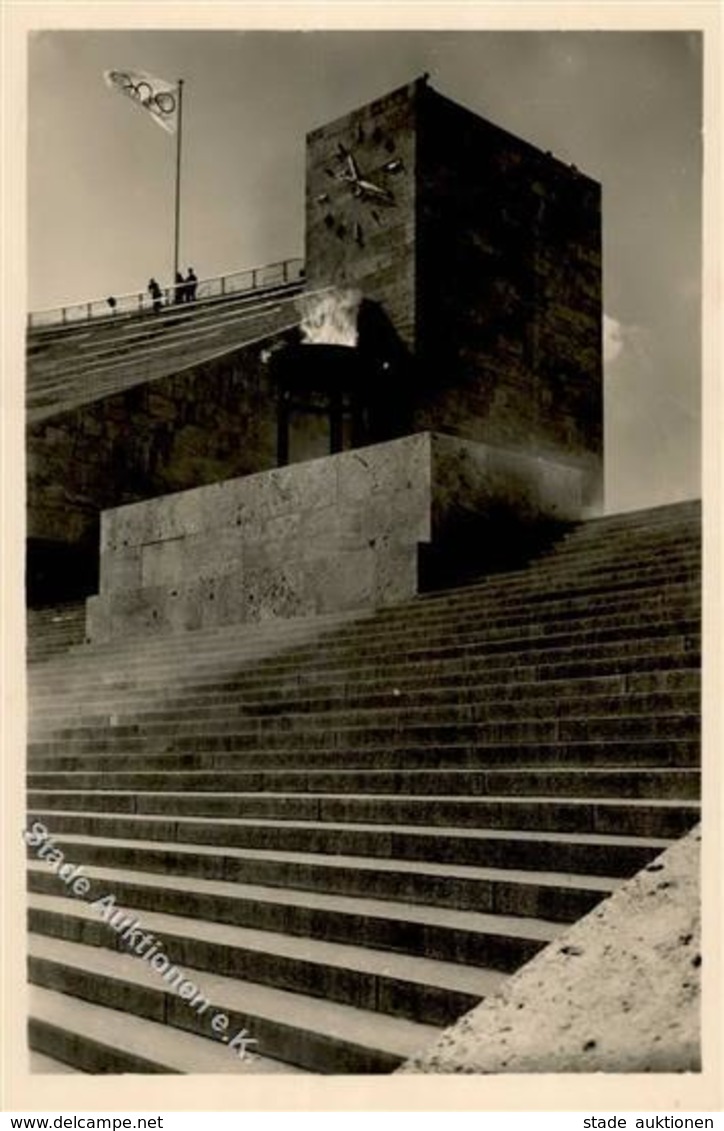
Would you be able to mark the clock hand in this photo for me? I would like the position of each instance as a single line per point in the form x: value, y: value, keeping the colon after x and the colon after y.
x: 350, y: 173
x: 360, y: 186
x: 374, y: 190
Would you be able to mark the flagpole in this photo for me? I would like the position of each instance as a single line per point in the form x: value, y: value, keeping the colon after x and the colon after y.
x: 177, y: 223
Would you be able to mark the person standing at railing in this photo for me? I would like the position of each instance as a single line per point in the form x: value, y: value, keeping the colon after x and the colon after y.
x: 155, y: 293
x: 179, y: 290
x: 191, y: 284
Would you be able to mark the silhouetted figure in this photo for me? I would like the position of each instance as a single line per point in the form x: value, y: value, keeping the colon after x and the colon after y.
x: 191, y: 284
x: 155, y: 292
x: 179, y: 290
x: 112, y: 303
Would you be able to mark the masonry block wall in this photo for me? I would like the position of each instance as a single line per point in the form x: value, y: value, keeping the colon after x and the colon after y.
x: 508, y: 289
x: 322, y: 536
x: 328, y: 535
x: 213, y: 421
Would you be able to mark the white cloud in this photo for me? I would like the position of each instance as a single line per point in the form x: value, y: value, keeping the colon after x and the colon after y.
x: 625, y: 344
x: 613, y: 339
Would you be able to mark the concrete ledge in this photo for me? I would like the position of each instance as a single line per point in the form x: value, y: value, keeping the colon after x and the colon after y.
x: 332, y: 534
x: 618, y: 992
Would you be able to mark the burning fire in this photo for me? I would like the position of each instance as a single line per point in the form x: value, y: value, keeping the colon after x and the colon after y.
x: 330, y: 317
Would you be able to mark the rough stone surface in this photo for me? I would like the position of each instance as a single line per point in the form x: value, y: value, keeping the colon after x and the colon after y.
x: 508, y: 280
x: 331, y: 534
x: 618, y: 992
x: 485, y: 480
x: 337, y: 533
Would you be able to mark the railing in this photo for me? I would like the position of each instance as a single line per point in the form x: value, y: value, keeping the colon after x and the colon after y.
x: 217, y: 286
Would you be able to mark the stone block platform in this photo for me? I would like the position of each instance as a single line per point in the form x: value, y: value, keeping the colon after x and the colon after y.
x: 328, y: 535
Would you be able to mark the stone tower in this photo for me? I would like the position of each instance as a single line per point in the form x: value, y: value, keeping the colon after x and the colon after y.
x: 485, y: 255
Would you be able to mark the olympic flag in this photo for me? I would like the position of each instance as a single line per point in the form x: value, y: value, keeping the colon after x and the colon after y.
x: 164, y: 102
x: 160, y: 98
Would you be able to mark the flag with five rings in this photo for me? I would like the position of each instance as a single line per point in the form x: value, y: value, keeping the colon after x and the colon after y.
x: 159, y: 97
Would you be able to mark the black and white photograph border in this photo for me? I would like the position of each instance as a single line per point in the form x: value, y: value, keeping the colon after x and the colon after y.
x: 361, y: 592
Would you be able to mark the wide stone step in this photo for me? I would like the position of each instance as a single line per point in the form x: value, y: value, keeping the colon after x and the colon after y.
x: 604, y: 532
x: 41, y: 1065
x: 424, y: 618
x: 482, y: 640
x: 581, y: 853
x: 558, y: 897
x: 372, y: 693
x: 242, y: 652
x: 477, y: 637
x: 272, y: 634
x: 560, y: 575
x: 250, y: 640
x: 551, y: 659
x: 452, y: 607
x: 667, y: 577
x: 500, y: 942
x: 54, y: 629
x: 644, y: 817
x: 493, y: 625
x: 118, y: 792
x: 401, y: 985
x: 634, y: 542
x: 653, y: 517
x: 291, y: 1028
x: 304, y: 733
x: 662, y: 752
x: 625, y: 577
x: 195, y: 720
x: 213, y: 645
x: 455, y: 686
x: 597, y: 571
x: 455, y: 604
x: 107, y: 1041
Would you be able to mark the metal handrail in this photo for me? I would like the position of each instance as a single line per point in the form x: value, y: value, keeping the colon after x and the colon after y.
x: 215, y: 286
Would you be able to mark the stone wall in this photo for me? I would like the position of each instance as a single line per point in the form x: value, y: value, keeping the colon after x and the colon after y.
x: 209, y: 422
x: 477, y: 479
x: 508, y: 290
x: 332, y: 534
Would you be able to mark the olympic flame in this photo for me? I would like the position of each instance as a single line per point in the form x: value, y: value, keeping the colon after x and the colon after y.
x: 330, y: 317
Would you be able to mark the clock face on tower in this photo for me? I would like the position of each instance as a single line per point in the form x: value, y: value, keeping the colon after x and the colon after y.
x: 360, y: 179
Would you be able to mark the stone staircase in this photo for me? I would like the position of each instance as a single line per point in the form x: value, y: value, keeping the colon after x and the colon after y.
x: 348, y: 831
x: 72, y: 365
x: 53, y: 629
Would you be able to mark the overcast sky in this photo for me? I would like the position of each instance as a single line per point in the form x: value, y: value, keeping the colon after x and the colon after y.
x: 624, y: 107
